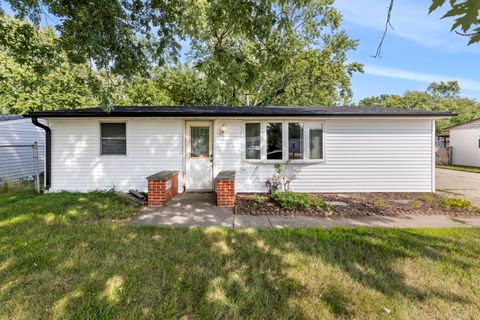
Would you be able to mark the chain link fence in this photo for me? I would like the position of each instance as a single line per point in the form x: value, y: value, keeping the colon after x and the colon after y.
x: 19, y: 162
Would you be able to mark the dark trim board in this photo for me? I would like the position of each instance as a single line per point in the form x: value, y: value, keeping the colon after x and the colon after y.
x: 234, y: 111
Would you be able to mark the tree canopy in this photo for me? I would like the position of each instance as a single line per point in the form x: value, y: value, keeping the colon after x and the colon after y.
x: 441, y: 96
x: 466, y: 14
x: 35, y: 74
x: 280, y: 52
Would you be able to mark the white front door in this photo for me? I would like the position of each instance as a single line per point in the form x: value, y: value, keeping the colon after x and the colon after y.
x: 199, y: 156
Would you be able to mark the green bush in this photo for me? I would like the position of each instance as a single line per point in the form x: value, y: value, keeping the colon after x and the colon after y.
x: 291, y: 200
x: 456, y: 203
x: 257, y: 199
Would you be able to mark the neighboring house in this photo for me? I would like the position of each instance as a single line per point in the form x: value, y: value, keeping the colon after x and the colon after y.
x: 325, y: 149
x: 16, y: 158
x: 465, y: 143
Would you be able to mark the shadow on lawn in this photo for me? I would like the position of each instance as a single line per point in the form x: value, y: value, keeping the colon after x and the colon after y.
x: 370, y: 256
x: 93, y: 269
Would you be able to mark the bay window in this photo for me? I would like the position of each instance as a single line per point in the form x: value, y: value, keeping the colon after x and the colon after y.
x: 274, y: 141
x: 253, y: 149
x: 316, y: 141
x: 295, y: 141
x: 278, y: 141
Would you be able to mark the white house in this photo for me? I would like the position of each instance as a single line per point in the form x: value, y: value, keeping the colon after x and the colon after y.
x: 325, y: 149
x: 465, y: 143
x: 17, y: 135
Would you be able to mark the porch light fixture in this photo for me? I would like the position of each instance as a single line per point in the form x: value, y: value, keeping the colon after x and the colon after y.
x: 223, y: 129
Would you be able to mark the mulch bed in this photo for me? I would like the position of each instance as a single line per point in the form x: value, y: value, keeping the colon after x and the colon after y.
x: 359, y: 204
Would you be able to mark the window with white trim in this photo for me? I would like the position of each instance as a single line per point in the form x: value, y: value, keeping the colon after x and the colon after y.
x: 274, y: 140
x: 315, y: 140
x: 295, y: 141
x: 283, y: 140
x: 113, y: 139
x: 253, y: 148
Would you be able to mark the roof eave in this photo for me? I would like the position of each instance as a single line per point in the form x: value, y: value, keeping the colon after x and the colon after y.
x: 222, y: 114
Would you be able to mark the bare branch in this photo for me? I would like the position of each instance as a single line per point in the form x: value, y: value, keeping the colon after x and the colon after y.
x: 378, y: 54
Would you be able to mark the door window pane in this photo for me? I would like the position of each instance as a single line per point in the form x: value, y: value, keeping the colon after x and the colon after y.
x: 316, y: 141
x: 113, y: 138
x: 295, y: 140
x: 200, y: 142
x: 274, y: 141
x: 252, y: 141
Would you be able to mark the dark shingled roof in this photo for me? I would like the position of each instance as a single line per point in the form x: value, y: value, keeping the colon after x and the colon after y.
x: 230, y: 111
x: 7, y: 117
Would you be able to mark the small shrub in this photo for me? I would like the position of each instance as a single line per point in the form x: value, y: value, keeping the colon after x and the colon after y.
x: 379, y: 203
x: 450, y: 203
x: 291, y: 200
x: 428, y: 198
x: 415, y: 203
x: 257, y: 199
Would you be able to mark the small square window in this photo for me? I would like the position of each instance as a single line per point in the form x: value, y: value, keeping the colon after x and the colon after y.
x: 113, y: 138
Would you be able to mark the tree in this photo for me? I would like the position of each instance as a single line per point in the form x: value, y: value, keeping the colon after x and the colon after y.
x: 126, y: 37
x: 438, y: 97
x: 466, y: 14
x: 35, y: 74
x: 291, y: 61
x: 448, y: 90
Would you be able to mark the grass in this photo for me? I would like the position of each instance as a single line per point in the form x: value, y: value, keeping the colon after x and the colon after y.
x: 67, y: 256
x: 291, y: 200
x: 461, y: 168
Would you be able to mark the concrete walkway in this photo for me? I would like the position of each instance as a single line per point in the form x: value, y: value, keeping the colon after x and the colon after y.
x: 198, y: 209
x: 459, y: 184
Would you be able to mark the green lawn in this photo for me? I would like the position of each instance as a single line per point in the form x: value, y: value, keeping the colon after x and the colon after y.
x: 62, y: 256
x: 461, y: 168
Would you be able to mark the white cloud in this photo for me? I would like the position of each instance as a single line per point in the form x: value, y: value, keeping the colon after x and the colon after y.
x: 410, y: 20
x: 466, y: 84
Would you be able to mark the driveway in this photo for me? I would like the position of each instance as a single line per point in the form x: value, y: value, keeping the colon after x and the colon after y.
x: 459, y: 184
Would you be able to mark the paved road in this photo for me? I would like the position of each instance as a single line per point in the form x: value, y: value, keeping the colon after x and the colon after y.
x: 459, y: 184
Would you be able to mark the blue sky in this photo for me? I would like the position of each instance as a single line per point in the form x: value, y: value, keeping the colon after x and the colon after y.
x: 420, y: 49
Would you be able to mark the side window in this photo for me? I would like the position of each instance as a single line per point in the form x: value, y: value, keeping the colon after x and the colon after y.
x: 253, y: 148
x: 316, y: 141
x: 295, y: 140
x: 274, y: 141
x: 113, y: 138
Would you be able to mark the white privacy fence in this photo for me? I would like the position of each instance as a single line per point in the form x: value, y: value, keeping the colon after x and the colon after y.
x: 21, y: 162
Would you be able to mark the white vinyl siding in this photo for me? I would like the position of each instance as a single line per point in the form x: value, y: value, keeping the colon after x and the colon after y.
x: 465, y: 146
x: 360, y: 155
x: 153, y: 145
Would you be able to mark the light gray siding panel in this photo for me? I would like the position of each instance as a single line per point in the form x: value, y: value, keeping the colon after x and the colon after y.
x: 360, y: 156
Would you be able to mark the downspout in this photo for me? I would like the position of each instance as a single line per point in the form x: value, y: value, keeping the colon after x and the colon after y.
x: 48, y: 151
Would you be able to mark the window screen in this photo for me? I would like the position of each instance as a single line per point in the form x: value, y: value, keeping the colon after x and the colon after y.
x: 253, y: 149
x: 113, y: 138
